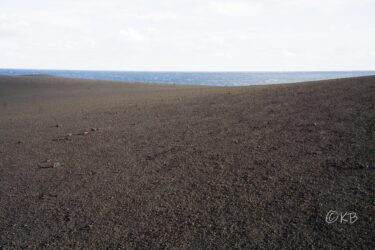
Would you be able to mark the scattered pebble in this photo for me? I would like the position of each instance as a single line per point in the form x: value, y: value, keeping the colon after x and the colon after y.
x: 43, y: 196
x: 94, y: 129
x: 63, y: 138
x: 87, y: 227
x: 92, y: 173
x: 50, y: 164
x: 56, y: 164
x: 58, y: 125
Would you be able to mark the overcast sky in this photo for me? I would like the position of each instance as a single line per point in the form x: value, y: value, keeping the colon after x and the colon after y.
x: 188, y: 35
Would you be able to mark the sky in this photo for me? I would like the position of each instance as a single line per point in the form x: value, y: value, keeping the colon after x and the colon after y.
x: 188, y: 35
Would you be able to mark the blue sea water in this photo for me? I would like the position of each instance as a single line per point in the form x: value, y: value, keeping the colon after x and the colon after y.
x: 196, y: 78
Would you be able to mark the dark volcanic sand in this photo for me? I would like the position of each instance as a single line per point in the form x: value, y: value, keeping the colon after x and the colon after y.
x: 186, y: 167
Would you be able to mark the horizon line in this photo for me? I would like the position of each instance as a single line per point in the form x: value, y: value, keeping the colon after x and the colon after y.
x: 191, y: 71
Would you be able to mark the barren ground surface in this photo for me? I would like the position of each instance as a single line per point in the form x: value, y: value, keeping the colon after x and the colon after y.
x: 186, y: 167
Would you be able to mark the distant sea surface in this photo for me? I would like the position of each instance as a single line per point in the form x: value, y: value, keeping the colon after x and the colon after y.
x: 196, y: 78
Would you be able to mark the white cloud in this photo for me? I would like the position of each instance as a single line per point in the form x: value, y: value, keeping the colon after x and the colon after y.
x: 229, y: 8
x: 132, y: 35
x: 12, y: 25
x: 188, y: 34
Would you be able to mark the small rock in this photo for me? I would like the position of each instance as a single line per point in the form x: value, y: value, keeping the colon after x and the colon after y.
x: 63, y: 138
x: 85, y: 133
x: 58, y: 125
x: 50, y: 164
x: 94, y: 129
x: 87, y: 227
x: 45, y: 165
x: 70, y: 134
x: 20, y: 142
x: 56, y: 164
x: 92, y: 173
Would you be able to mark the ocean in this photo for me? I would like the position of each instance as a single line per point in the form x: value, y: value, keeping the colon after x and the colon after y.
x: 196, y: 78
